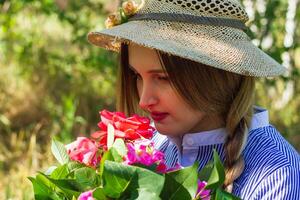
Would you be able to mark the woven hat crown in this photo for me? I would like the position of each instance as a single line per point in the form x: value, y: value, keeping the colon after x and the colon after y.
x: 210, y: 32
x: 209, y: 8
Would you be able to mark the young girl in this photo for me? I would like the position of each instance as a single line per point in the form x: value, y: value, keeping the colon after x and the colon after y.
x: 191, y: 67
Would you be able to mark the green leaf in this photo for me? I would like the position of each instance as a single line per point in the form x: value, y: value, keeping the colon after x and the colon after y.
x: 50, y: 170
x: 133, y: 182
x: 99, y: 194
x: 120, y: 146
x: 87, y: 178
x: 151, y: 167
x: 205, y: 172
x: 110, y: 135
x: 42, y: 189
x: 69, y: 187
x: 217, y: 175
x: 145, y: 184
x: 223, y: 195
x: 60, y: 172
x: 59, y: 151
x: 42, y: 179
x: 74, y: 165
x: 42, y: 197
x: 106, y: 156
x: 181, y: 184
x: 116, y: 156
x: 143, y: 194
x: 116, y: 178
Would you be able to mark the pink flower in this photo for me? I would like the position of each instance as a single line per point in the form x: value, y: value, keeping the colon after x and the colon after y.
x: 163, y: 169
x: 142, y: 151
x: 146, y: 158
x: 84, y: 150
x: 158, y: 155
x: 201, y: 192
x: 131, y: 156
x: 86, y: 196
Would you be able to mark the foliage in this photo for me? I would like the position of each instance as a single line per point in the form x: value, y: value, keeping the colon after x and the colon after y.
x: 118, y: 180
x: 273, y: 29
x: 47, y: 46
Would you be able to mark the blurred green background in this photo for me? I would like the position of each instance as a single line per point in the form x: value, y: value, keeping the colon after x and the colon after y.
x: 53, y: 82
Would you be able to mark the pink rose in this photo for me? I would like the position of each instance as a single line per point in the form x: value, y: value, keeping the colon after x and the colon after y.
x: 84, y: 150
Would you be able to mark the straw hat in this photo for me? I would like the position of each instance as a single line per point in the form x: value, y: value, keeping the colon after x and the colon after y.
x: 206, y: 31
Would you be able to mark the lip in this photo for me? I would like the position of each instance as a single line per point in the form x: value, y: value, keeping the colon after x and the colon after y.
x: 158, y: 116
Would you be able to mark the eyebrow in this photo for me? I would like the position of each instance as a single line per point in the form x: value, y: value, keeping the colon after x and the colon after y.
x: 150, y: 71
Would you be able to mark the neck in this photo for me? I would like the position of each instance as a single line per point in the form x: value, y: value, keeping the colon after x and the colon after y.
x: 209, y: 122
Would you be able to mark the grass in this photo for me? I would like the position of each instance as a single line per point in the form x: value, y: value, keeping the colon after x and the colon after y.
x: 21, y: 156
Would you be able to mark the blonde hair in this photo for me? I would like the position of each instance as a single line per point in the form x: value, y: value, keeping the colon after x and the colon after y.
x: 226, y: 94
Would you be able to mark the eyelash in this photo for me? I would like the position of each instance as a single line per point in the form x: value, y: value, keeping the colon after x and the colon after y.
x: 136, y: 75
x: 162, y: 78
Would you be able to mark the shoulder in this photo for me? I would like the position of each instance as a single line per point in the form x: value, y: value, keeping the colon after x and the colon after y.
x: 266, y: 146
x: 283, y: 183
x: 280, y: 184
x: 272, y: 166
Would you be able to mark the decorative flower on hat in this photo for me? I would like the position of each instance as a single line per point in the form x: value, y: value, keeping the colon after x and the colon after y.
x: 128, y: 9
x: 113, y: 20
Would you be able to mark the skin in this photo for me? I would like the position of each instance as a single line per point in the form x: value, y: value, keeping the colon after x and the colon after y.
x: 157, y: 95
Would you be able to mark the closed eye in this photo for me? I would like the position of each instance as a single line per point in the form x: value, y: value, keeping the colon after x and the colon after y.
x: 163, y: 78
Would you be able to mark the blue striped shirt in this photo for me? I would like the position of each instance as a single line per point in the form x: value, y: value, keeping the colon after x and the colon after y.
x: 272, y: 165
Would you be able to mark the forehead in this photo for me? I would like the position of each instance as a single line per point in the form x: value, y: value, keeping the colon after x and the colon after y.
x: 144, y: 57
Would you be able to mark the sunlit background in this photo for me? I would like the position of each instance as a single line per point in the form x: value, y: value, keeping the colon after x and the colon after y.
x: 53, y: 82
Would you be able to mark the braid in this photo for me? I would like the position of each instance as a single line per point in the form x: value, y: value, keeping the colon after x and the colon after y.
x: 237, y: 123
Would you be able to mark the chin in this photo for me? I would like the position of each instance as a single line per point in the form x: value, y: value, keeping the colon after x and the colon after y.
x: 166, y: 131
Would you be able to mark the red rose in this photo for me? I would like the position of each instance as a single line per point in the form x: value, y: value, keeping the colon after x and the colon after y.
x: 130, y: 128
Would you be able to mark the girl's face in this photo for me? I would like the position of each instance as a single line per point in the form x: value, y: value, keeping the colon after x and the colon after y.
x: 170, y: 113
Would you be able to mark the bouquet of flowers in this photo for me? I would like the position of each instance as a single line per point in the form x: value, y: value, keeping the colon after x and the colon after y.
x: 120, y: 162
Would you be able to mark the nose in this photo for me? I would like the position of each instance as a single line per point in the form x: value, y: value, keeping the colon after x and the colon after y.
x: 148, y: 97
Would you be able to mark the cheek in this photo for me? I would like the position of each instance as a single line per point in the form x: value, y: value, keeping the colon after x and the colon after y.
x: 177, y: 103
x: 184, y: 114
x: 139, y: 87
x: 169, y: 93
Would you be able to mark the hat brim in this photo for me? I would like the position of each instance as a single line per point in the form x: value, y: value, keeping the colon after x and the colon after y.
x: 224, y: 48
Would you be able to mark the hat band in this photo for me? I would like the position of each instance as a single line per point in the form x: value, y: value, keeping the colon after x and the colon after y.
x: 202, y: 20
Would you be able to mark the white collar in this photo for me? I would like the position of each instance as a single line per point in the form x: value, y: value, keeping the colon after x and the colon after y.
x: 260, y: 118
x: 217, y: 136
